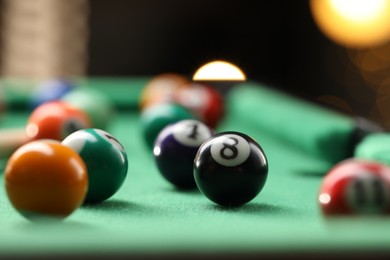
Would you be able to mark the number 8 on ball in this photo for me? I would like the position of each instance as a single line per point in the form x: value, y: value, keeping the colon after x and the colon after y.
x: 230, y: 168
x: 230, y: 150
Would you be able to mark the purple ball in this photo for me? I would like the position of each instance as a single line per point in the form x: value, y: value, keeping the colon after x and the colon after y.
x: 175, y: 149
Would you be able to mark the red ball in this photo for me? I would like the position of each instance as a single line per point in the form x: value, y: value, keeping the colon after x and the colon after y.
x: 55, y: 120
x: 356, y: 187
x: 204, y: 101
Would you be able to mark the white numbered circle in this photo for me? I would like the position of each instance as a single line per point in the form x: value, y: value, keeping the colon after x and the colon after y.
x: 78, y: 140
x: 230, y: 150
x: 111, y: 139
x: 367, y: 194
x: 191, y: 132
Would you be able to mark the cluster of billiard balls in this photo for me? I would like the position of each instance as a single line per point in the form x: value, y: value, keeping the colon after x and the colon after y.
x: 70, y: 161
x: 229, y: 168
x: 66, y: 161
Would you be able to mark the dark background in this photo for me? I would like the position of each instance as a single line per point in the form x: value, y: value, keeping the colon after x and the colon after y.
x: 275, y: 42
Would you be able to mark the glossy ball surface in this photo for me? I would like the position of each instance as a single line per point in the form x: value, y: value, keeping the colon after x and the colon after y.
x: 161, y: 89
x: 45, y: 179
x: 354, y: 187
x: 175, y: 150
x: 155, y: 118
x: 106, y: 161
x: 230, y: 169
x: 204, y: 101
x: 94, y: 103
x: 55, y: 120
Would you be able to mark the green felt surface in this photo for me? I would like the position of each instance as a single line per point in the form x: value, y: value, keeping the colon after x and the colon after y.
x: 149, y: 216
x: 314, y: 129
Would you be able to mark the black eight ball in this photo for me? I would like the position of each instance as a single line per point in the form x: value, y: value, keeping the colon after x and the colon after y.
x: 230, y: 169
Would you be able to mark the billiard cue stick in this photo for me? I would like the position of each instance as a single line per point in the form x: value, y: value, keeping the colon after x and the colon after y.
x: 11, y: 139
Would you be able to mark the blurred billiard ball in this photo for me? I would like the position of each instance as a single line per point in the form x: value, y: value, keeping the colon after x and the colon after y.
x: 230, y: 168
x: 45, y: 179
x: 106, y: 161
x: 94, y: 103
x: 175, y: 150
x: 55, y: 120
x: 204, y: 101
x: 356, y: 186
x: 49, y: 90
x: 374, y: 147
x: 155, y: 118
x: 161, y: 89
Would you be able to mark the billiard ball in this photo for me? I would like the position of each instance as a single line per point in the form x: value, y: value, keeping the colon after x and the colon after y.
x: 175, y: 149
x: 155, y: 118
x: 45, y: 180
x: 106, y: 161
x: 55, y: 120
x: 161, y: 89
x: 94, y: 103
x: 49, y: 90
x: 374, y: 147
x: 204, y: 101
x: 230, y: 168
x: 356, y: 186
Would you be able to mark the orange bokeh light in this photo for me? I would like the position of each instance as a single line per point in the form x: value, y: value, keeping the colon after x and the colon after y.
x: 353, y: 23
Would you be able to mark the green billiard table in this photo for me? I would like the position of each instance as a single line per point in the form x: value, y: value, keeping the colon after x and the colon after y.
x: 148, y: 217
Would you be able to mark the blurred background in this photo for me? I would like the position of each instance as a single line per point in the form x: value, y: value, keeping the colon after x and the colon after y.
x: 284, y: 44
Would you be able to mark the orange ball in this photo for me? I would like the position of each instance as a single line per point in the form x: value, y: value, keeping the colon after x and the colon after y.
x: 45, y: 179
x: 56, y: 120
x: 161, y: 89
